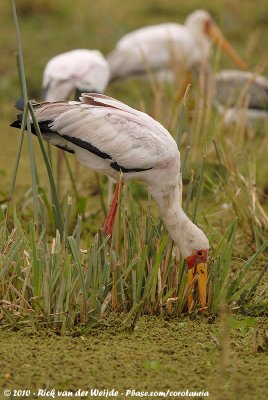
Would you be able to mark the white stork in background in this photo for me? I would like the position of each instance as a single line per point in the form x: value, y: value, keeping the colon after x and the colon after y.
x: 169, y: 50
x: 240, y: 95
x: 110, y: 137
x: 81, y: 69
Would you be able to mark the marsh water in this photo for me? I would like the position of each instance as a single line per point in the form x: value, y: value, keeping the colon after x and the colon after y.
x: 229, y: 361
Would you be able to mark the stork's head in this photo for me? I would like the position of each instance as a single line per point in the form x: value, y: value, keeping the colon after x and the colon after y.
x: 192, y: 239
x: 197, y: 21
x: 196, y: 252
x: 201, y: 23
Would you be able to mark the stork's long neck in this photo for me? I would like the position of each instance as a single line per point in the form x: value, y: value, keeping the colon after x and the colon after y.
x: 179, y: 226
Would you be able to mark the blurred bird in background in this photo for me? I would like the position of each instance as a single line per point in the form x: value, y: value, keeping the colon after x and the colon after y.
x: 81, y: 69
x: 170, y: 51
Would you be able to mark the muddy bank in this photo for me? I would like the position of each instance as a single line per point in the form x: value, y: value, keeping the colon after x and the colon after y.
x: 229, y: 362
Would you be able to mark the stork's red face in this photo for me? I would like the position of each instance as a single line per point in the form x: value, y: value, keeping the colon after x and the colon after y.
x: 199, y: 256
x: 197, y: 270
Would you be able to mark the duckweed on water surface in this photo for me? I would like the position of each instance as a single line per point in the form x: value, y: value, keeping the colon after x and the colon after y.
x: 228, y: 360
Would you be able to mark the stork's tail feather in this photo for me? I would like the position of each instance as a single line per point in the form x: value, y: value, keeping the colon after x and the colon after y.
x: 47, y: 133
x: 17, y: 123
x: 20, y: 105
x: 43, y: 125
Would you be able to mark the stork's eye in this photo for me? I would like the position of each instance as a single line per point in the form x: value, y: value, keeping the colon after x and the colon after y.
x: 200, y: 253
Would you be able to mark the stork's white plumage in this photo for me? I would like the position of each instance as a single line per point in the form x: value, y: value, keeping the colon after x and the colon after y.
x: 241, y: 95
x: 81, y: 69
x: 108, y: 136
x: 169, y: 50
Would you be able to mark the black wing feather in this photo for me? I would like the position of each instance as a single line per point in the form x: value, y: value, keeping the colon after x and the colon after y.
x: 45, y: 128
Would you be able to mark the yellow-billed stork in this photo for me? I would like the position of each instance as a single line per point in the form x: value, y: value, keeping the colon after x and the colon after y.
x: 110, y: 137
x: 169, y: 50
x: 81, y: 69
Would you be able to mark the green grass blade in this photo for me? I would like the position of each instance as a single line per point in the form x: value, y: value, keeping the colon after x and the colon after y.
x: 25, y: 98
x: 58, y: 211
x: 18, y: 155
